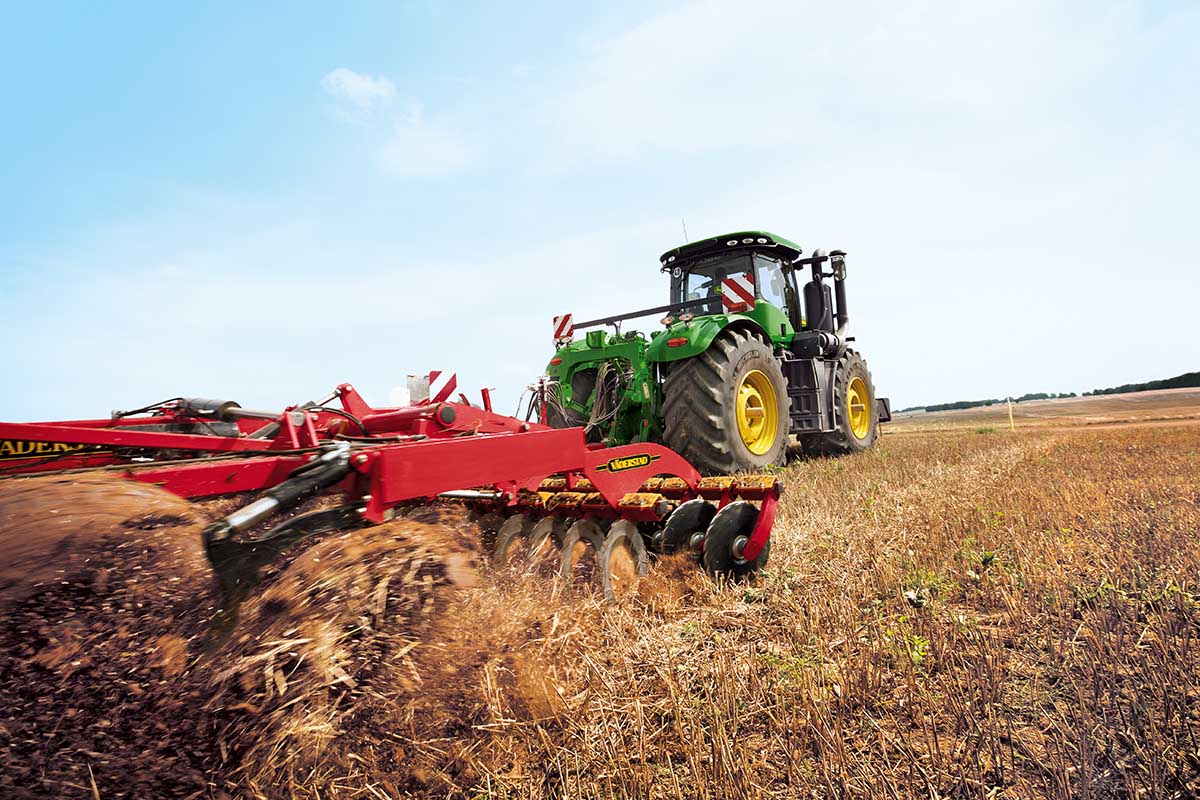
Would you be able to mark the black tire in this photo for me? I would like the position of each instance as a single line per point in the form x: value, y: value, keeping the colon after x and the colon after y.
x: 734, y: 521
x: 842, y: 440
x: 700, y: 405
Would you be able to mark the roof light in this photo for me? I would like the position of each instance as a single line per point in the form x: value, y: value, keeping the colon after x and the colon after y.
x: 677, y: 342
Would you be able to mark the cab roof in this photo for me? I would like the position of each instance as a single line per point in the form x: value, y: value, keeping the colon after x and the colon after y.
x: 742, y: 240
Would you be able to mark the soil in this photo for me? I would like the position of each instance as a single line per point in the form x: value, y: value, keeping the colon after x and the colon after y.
x: 112, y: 683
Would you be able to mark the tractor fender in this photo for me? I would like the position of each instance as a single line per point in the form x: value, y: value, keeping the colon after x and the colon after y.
x: 699, y: 334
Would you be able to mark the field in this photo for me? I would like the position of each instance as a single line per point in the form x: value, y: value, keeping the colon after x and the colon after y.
x: 966, y: 611
x: 1164, y: 407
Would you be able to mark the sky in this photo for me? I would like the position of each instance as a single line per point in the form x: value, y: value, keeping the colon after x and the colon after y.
x: 261, y: 201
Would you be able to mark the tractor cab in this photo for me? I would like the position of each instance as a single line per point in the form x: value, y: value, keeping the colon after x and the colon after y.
x: 736, y: 271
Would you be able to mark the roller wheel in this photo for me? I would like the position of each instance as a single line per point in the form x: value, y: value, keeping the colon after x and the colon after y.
x: 581, y: 553
x: 623, y: 560
x: 689, y: 519
x: 728, y: 532
x: 855, y: 417
x: 727, y: 409
x: 507, y: 546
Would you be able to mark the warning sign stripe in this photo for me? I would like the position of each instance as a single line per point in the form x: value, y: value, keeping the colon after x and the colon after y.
x: 737, y: 289
x: 564, y: 327
x: 442, y: 385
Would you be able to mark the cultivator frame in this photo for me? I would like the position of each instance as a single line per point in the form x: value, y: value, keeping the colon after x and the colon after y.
x: 384, y: 460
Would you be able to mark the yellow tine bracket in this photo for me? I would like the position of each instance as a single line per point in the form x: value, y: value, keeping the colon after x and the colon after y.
x: 565, y: 500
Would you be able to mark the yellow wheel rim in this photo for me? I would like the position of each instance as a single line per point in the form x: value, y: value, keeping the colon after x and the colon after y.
x: 858, y: 408
x: 757, y: 412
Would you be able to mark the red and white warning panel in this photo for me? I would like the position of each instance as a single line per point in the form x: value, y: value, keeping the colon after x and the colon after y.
x: 436, y: 387
x: 442, y: 385
x: 737, y: 292
x: 564, y: 327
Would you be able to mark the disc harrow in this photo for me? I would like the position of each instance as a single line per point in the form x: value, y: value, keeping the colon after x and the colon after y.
x: 544, y: 496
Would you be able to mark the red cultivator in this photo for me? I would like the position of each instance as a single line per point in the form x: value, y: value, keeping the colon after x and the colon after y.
x: 548, y: 484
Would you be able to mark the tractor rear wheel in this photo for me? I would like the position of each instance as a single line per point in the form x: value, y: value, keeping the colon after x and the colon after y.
x: 855, y: 417
x: 726, y: 410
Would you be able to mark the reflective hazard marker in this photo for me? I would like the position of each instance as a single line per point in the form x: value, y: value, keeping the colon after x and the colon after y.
x: 564, y: 327
x: 737, y: 292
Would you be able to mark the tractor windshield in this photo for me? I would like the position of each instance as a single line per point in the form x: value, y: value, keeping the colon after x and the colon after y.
x: 703, y: 278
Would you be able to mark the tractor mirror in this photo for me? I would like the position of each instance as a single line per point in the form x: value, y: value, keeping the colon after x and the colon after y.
x: 839, y: 267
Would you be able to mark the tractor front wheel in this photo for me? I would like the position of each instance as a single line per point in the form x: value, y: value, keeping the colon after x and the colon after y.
x: 726, y: 410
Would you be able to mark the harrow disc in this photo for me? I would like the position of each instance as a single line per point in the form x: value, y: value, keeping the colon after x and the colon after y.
x: 581, y: 552
x: 690, y: 520
x: 727, y: 534
x: 514, y: 528
x: 543, y: 543
x: 489, y: 524
x: 623, y: 560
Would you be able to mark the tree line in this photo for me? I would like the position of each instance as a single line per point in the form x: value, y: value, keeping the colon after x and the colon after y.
x: 1178, y: 382
x: 1187, y: 379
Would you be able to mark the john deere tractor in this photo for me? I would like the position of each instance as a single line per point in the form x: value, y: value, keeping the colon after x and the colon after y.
x: 748, y: 367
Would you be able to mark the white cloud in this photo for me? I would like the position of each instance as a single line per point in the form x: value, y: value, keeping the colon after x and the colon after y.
x: 718, y: 75
x: 364, y: 93
x: 420, y: 147
x: 404, y: 140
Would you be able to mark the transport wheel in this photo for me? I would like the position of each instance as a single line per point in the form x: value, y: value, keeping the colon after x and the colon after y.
x: 727, y: 409
x: 623, y: 560
x: 855, y: 416
x: 727, y: 535
x: 688, y: 521
x: 514, y: 528
x: 581, y: 553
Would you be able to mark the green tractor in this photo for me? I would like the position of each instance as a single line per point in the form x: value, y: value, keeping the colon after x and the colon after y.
x: 748, y: 368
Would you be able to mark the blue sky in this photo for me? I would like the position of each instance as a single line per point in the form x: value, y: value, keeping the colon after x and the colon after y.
x: 260, y: 204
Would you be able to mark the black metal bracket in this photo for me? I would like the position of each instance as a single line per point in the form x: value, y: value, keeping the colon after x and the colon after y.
x: 669, y: 309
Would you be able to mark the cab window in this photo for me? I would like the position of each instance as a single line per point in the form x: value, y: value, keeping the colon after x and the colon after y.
x: 703, y: 279
x: 772, y: 281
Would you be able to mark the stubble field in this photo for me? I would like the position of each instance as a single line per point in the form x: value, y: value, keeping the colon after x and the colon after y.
x: 966, y: 611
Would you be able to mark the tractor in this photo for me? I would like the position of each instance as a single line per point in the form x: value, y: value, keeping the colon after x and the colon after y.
x: 748, y: 368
